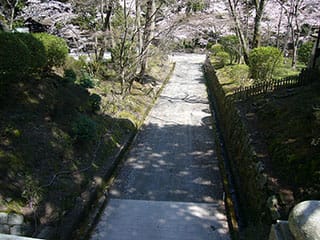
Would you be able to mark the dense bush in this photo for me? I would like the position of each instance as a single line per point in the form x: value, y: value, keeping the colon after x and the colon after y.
x: 195, y: 6
x: 263, y: 61
x: 216, y: 48
x: 232, y: 46
x: 84, y: 129
x: 69, y: 76
x: 56, y: 49
x: 95, y: 101
x: 15, y: 57
x: 36, y: 51
x: 304, y: 52
x: 86, y: 80
x: 222, y: 59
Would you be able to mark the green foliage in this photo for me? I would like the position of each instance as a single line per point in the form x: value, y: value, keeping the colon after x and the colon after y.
x: 21, y: 54
x: 95, y: 101
x: 216, y: 48
x: 32, y: 192
x: 84, y: 129
x: 232, y: 77
x: 285, y: 70
x: 188, y: 44
x: 36, y: 50
x: 77, y: 66
x: 263, y: 61
x: 56, y: 49
x: 222, y: 58
x: 124, y: 57
x: 232, y: 46
x: 70, y: 76
x: 195, y: 5
x: 86, y: 80
x: 304, y: 52
x: 15, y: 57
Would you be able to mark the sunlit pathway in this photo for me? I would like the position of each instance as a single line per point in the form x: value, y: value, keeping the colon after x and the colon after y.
x: 170, y: 186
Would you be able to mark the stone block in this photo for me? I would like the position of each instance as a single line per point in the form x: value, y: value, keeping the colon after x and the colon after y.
x: 21, y: 230
x: 15, y: 219
x: 304, y: 220
x: 3, y: 218
x: 4, y: 228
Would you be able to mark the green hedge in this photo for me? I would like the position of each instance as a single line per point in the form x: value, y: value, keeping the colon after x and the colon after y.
x: 24, y: 53
x: 15, y: 56
x: 263, y: 61
x: 84, y: 129
x: 36, y: 50
x: 304, y: 52
x: 56, y: 49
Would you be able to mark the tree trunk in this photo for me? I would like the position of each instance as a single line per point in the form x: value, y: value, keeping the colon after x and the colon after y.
x: 106, y: 25
x: 147, y: 36
x: 278, y: 29
x: 138, y: 25
x: 259, y: 5
x: 242, y: 39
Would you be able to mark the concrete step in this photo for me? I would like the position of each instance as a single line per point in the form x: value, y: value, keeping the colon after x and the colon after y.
x: 125, y: 219
x: 14, y: 237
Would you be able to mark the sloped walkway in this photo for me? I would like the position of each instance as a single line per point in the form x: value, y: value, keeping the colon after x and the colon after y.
x: 170, y: 186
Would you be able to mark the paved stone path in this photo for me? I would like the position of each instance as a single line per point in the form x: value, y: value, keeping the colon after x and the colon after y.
x: 170, y: 186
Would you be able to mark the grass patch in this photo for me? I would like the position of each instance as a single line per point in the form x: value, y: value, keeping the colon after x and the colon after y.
x: 285, y: 70
x: 235, y: 76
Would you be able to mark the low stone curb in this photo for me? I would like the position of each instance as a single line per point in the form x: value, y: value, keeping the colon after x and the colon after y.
x: 15, y: 237
x: 13, y: 223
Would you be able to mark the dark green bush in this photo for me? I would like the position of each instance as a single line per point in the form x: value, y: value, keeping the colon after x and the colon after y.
x: 84, y: 129
x: 232, y: 46
x: 95, y: 101
x: 304, y: 52
x: 56, y: 49
x: 195, y: 6
x: 70, y: 76
x: 36, y: 50
x: 15, y: 57
x: 216, y: 48
x: 86, y: 81
x: 263, y: 61
x: 222, y: 59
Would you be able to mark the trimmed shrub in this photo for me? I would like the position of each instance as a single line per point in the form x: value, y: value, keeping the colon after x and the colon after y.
x: 86, y: 81
x: 216, y: 48
x: 222, y: 59
x: 263, y: 61
x: 232, y: 46
x: 84, y: 129
x: 195, y: 6
x: 95, y: 101
x: 304, y: 52
x: 15, y: 57
x: 69, y: 76
x: 56, y: 49
x: 36, y: 50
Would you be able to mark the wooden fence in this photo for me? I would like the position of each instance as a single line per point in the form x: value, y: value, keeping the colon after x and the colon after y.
x: 302, y: 79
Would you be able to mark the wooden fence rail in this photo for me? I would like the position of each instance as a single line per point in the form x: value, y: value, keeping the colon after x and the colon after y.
x: 302, y: 79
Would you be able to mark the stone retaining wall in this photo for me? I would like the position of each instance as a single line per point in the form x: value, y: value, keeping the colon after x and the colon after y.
x: 12, y: 223
x: 247, y: 170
